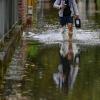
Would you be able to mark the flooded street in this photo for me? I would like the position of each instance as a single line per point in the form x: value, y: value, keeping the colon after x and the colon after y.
x: 34, y: 72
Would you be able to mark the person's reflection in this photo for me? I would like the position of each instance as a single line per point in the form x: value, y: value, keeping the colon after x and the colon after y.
x: 68, y: 67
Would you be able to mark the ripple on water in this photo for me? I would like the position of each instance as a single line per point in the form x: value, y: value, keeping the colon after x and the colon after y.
x: 87, y: 37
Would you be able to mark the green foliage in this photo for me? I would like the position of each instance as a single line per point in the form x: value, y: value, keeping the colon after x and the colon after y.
x: 98, y: 3
x: 32, y: 51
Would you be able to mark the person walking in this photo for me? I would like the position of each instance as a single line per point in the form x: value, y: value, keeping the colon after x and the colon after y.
x: 68, y: 9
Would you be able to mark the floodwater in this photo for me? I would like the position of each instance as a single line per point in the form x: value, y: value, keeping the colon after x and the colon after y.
x: 35, y: 73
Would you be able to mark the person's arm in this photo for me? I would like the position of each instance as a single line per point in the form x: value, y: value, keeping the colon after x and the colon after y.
x: 75, y: 8
x: 57, y: 4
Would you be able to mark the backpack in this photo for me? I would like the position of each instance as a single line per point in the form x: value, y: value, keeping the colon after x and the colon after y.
x: 67, y: 11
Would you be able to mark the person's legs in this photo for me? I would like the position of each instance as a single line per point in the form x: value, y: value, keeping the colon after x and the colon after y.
x: 69, y: 22
x: 62, y: 21
x: 70, y: 31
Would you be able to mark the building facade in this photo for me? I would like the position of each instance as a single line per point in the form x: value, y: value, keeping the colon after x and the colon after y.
x: 11, y: 11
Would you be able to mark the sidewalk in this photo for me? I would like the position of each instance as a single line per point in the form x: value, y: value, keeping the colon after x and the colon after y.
x: 9, y: 44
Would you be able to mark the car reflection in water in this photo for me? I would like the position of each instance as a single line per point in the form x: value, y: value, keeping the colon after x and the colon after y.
x: 69, y: 66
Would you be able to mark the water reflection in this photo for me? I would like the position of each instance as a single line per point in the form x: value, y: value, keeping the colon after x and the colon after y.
x: 13, y: 78
x: 69, y: 65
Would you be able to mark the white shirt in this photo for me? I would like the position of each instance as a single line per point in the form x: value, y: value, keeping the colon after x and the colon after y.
x: 73, y: 7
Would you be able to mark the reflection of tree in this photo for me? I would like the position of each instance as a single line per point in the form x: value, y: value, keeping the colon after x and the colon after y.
x: 95, y: 2
x: 87, y: 5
